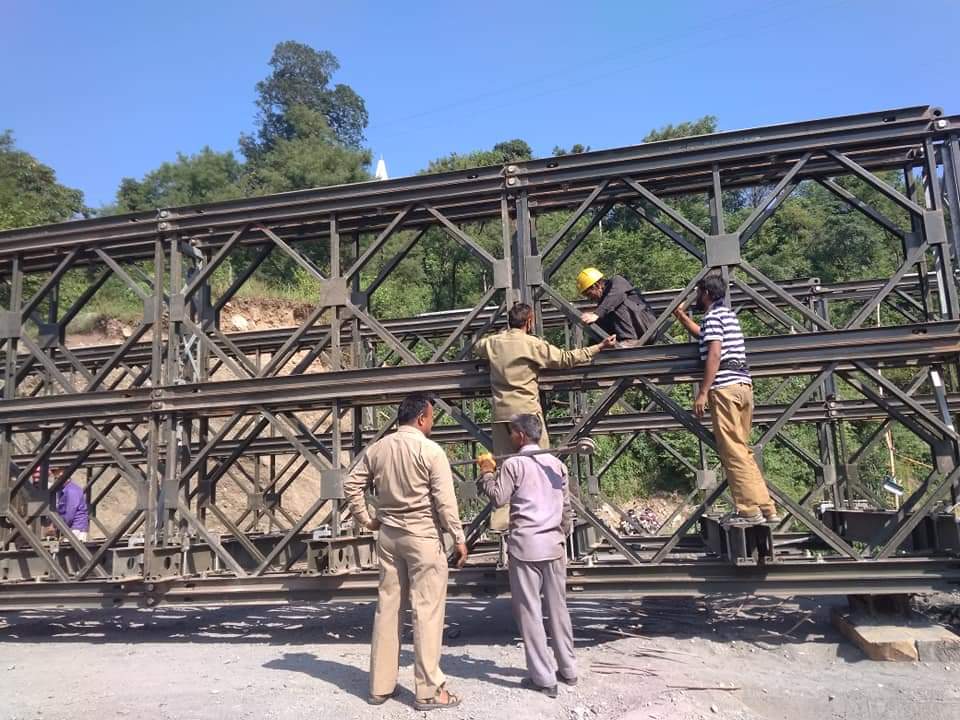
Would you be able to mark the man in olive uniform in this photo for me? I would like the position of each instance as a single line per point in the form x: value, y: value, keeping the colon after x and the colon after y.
x: 516, y: 356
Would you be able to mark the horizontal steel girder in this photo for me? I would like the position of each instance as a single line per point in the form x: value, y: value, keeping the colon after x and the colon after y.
x: 880, y: 140
x: 798, y: 354
x: 605, y: 580
x: 815, y: 411
x: 441, y: 324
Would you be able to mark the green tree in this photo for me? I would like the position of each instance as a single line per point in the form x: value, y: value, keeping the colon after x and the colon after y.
x: 503, y: 152
x: 310, y: 157
x: 704, y: 126
x: 575, y: 149
x: 205, y: 177
x: 29, y: 191
x: 301, y: 76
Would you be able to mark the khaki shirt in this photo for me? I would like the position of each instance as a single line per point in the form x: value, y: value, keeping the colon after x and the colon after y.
x: 515, y: 359
x: 414, y: 485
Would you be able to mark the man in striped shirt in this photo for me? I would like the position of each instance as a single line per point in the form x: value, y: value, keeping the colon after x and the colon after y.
x: 728, y: 388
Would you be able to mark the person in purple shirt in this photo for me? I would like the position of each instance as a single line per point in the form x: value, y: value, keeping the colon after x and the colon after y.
x: 72, y: 506
x: 541, y: 517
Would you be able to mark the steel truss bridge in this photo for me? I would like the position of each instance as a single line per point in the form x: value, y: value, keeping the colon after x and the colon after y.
x: 181, y: 409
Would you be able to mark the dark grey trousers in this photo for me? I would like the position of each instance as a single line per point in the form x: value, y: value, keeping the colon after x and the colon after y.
x: 528, y: 581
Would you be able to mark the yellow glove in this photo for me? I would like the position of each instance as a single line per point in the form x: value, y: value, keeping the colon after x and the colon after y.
x: 486, y: 462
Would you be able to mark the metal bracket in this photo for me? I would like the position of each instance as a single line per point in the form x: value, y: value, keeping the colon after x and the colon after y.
x: 742, y: 546
x: 331, y: 484
x: 593, y: 485
x: 723, y: 249
x: 334, y: 292
x: 177, y: 307
x: 829, y: 474
x: 706, y: 479
x: 501, y: 274
x: 944, y: 457
x: 9, y: 325
x: 149, y: 306
x: 336, y: 556
x: 533, y: 269
x: 934, y: 228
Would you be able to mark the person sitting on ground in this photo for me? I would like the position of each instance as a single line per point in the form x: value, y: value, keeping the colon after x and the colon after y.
x: 538, y: 490
x: 727, y: 386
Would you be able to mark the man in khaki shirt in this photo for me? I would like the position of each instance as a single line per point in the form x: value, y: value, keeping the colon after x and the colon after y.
x: 415, y: 504
x: 516, y: 357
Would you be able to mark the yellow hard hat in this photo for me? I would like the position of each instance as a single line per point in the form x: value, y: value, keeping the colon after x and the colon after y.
x: 587, y: 278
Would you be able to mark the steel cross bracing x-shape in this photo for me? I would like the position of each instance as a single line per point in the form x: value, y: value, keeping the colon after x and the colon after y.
x: 175, y: 408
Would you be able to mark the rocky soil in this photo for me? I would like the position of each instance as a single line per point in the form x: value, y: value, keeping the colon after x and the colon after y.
x: 658, y: 659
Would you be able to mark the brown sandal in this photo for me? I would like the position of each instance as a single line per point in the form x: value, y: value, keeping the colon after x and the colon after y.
x: 434, y: 702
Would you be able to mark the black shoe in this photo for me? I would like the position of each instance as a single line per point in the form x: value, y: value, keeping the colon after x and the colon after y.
x: 550, y: 692
x: 567, y: 681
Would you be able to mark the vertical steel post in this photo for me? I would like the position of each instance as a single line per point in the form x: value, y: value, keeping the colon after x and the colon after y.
x: 14, y: 328
x: 153, y: 476
x: 336, y: 363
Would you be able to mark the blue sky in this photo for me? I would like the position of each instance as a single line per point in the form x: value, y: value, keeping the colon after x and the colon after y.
x: 104, y: 90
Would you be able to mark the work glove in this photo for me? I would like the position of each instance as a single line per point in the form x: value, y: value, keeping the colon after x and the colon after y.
x: 486, y: 463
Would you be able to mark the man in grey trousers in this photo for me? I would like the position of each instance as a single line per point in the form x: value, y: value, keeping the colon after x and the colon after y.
x: 537, y: 488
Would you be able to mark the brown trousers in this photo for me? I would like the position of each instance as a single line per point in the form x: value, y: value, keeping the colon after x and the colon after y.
x: 732, y: 411
x: 413, y: 573
x: 500, y: 517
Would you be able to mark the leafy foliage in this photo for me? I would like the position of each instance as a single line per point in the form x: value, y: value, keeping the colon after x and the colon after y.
x: 301, y: 77
x: 205, y: 177
x: 29, y: 191
x: 310, y: 134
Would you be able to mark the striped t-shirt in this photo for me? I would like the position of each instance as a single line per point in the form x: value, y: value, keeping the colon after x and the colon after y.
x: 720, y: 323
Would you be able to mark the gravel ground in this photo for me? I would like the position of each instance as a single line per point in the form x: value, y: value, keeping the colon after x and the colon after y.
x: 659, y: 658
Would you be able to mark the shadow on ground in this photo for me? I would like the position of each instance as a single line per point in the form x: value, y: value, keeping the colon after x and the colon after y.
x: 747, y: 619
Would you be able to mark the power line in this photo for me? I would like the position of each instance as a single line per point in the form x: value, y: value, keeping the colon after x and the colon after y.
x: 671, y: 39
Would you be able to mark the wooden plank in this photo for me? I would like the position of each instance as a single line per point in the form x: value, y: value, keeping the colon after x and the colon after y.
x: 877, y: 641
x: 885, y: 637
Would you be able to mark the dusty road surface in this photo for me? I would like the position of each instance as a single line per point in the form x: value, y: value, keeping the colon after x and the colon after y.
x: 671, y: 659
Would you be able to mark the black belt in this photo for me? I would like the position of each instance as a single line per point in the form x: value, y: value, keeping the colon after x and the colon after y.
x: 734, y: 364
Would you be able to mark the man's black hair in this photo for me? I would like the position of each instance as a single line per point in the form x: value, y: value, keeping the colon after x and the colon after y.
x: 518, y: 315
x: 411, y: 407
x: 714, y: 286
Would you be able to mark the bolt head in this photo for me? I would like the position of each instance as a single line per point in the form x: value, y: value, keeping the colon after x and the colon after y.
x: 511, y: 168
x: 511, y: 181
x: 942, y: 123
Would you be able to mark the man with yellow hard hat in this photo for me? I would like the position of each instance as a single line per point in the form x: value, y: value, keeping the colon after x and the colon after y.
x: 621, y: 309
